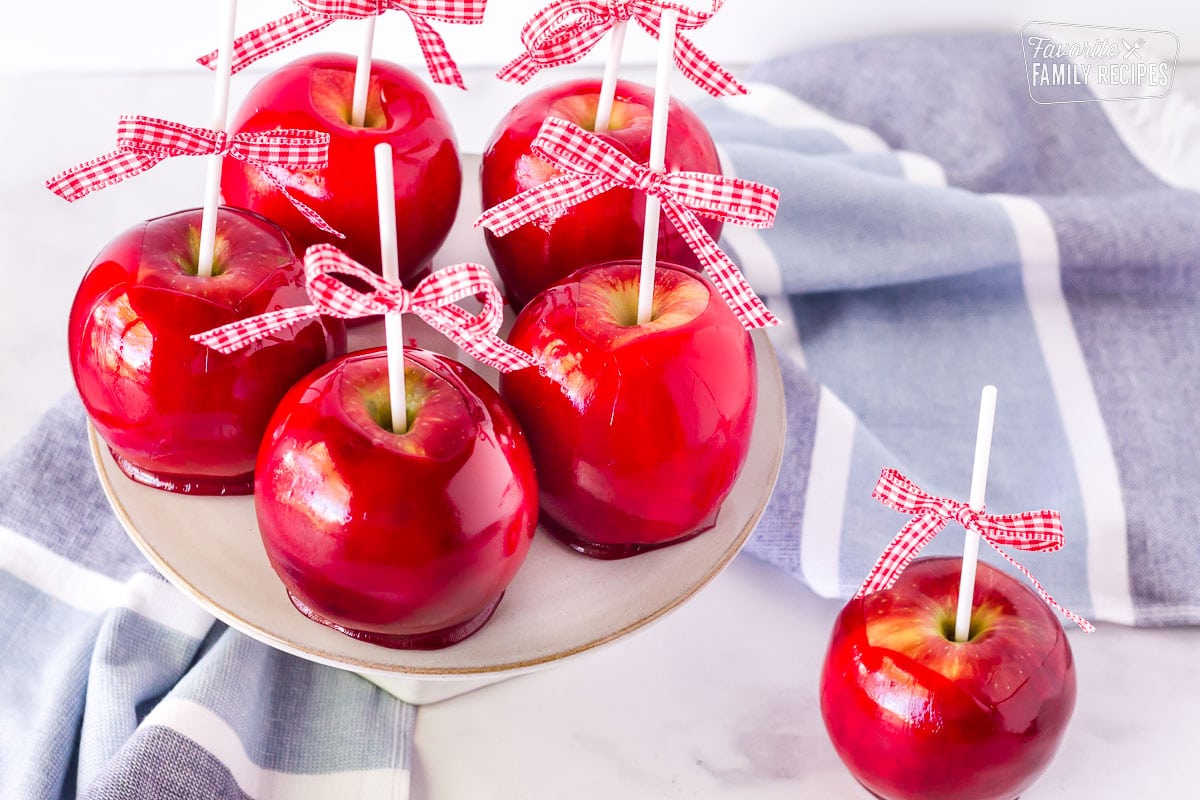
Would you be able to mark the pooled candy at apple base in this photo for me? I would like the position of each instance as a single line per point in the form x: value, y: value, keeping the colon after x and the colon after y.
x: 915, y: 714
x: 403, y: 540
x: 409, y: 539
x: 638, y: 431
x: 174, y: 414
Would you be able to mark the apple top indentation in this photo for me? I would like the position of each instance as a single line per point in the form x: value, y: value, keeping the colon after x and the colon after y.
x: 440, y: 424
x: 606, y: 304
x: 331, y: 90
x: 1014, y: 633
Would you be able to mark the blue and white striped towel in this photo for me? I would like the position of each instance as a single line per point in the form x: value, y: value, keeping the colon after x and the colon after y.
x: 939, y: 231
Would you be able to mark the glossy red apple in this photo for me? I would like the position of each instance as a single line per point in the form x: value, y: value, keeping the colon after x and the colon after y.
x: 604, y: 228
x: 175, y: 414
x: 914, y: 714
x: 315, y: 93
x: 638, y: 431
x: 404, y: 540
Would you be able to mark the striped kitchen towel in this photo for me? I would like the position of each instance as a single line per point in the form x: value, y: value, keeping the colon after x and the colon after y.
x: 939, y: 231
x: 115, y: 686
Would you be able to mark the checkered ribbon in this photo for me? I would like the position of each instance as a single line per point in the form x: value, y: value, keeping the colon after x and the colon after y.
x: 565, y: 31
x: 142, y: 142
x: 592, y: 167
x: 433, y: 301
x: 1033, y: 531
x: 314, y: 15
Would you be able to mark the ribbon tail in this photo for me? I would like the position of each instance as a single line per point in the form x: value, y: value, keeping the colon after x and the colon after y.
x: 730, y: 282
x: 98, y: 173
x: 521, y: 69
x: 1083, y: 624
x: 496, y: 352
x: 244, y: 332
x: 272, y: 37
x: 437, y: 58
x: 896, y: 557
x: 459, y: 326
x: 493, y: 351
x: 545, y: 201
x: 703, y: 71
x: 308, y: 213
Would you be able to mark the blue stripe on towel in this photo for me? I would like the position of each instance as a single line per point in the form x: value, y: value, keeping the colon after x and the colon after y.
x: 1130, y: 278
x: 267, y: 696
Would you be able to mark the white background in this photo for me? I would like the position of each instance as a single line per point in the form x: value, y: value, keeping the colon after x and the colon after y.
x: 716, y: 701
x: 71, y: 35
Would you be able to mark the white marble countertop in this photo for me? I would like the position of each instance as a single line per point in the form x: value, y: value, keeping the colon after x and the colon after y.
x: 717, y: 700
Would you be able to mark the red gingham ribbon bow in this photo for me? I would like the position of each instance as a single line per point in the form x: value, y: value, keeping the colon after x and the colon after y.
x: 433, y: 301
x: 564, y: 31
x: 1033, y: 531
x: 593, y: 166
x: 315, y: 15
x: 142, y: 142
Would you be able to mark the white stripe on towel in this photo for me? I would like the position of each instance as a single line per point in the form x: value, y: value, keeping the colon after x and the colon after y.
x: 825, y: 495
x: 1091, y: 451
x: 90, y: 591
x: 776, y: 107
x: 214, y: 734
x: 761, y: 268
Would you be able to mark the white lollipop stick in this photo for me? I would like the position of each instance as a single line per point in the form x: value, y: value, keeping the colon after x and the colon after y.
x: 658, y: 158
x: 212, y: 183
x: 362, y: 75
x: 393, y: 329
x: 983, y: 452
x: 608, y: 87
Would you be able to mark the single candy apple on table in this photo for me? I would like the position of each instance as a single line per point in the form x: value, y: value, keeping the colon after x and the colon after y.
x: 638, y: 431
x: 316, y: 93
x: 604, y: 228
x: 407, y: 539
x: 916, y: 715
x: 175, y: 414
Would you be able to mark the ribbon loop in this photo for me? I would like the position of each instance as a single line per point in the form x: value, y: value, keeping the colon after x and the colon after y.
x: 592, y: 166
x: 1033, y: 531
x: 143, y: 142
x: 434, y: 301
x: 567, y: 30
x: 315, y: 15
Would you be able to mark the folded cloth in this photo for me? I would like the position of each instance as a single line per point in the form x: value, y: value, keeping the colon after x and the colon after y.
x: 115, y: 685
x: 939, y: 231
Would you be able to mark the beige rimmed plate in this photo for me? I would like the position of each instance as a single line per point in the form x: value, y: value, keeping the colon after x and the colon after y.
x: 560, y: 604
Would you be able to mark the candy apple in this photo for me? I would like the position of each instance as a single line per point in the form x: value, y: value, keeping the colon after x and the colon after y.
x: 914, y: 714
x: 604, y: 228
x: 175, y: 414
x: 404, y: 540
x: 638, y: 431
x: 315, y: 93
